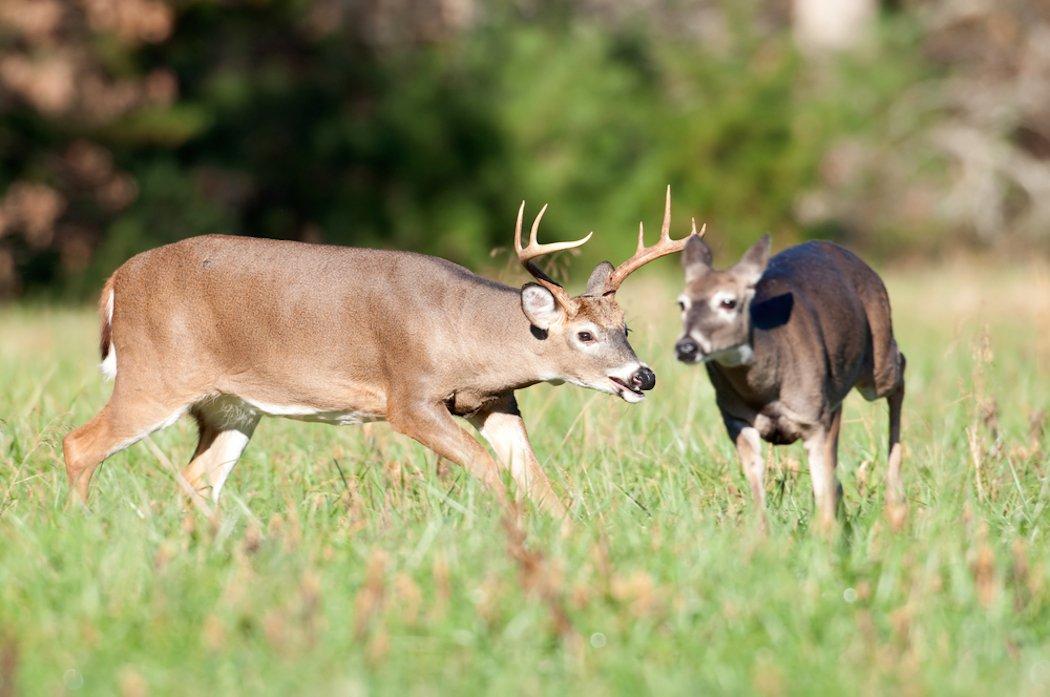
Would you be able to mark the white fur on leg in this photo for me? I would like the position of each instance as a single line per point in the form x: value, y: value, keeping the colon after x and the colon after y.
x: 235, y: 420
x: 223, y: 453
x: 749, y: 448
x: 507, y: 436
x: 823, y: 477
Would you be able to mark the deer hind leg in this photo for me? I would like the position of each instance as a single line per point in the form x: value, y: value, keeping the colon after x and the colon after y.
x: 504, y: 429
x: 121, y: 423
x: 895, y: 508
x: 226, y: 425
x: 822, y: 453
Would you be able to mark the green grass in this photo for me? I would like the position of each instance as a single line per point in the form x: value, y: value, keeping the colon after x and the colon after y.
x: 404, y: 580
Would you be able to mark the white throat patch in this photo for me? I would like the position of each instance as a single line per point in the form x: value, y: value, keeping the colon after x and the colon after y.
x: 738, y: 355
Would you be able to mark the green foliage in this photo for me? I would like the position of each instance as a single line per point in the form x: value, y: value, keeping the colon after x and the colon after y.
x: 284, y: 131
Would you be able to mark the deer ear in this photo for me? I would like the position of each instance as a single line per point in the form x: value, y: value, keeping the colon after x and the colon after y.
x: 753, y: 264
x: 696, y: 259
x: 539, y: 306
x: 601, y: 273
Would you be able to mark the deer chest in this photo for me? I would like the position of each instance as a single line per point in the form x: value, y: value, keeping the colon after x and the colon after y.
x: 776, y: 427
x: 466, y: 403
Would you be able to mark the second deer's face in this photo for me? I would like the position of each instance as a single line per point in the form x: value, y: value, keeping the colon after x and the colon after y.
x: 588, y: 343
x: 716, y: 304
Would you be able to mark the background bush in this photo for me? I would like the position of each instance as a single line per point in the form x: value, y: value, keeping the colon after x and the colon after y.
x: 127, y: 124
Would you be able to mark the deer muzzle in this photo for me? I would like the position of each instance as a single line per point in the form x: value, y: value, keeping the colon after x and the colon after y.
x: 630, y: 388
x: 643, y: 379
x: 687, y: 350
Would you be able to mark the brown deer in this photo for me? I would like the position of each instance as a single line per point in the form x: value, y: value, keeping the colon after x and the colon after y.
x: 229, y: 329
x: 784, y: 340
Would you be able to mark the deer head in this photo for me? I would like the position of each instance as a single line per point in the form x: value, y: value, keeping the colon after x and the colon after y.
x: 716, y: 304
x: 589, y: 330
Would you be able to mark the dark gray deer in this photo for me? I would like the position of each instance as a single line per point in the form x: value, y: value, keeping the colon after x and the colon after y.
x: 784, y: 340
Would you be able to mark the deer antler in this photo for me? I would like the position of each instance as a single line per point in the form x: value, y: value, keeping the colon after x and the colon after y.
x: 534, y: 250
x: 643, y: 255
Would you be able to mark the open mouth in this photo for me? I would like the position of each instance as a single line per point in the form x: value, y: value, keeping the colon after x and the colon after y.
x: 626, y: 392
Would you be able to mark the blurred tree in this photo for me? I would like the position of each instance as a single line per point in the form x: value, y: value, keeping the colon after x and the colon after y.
x: 64, y: 79
x: 420, y: 125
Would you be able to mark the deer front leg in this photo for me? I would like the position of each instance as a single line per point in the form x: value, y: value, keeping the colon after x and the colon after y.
x: 433, y: 426
x: 504, y: 429
x: 894, y: 486
x: 822, y: 452
x: 749, y: 449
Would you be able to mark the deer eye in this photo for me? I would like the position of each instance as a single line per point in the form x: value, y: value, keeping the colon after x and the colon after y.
x: 727, y: 303
x: 585, y: 337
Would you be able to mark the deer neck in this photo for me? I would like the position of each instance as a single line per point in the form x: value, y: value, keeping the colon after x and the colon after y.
x: 504, y: 351
x: 751, y: 369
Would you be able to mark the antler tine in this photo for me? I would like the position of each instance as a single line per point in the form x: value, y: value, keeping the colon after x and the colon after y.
x: 665, y: 227
x: 643, y: 255
x: 517, y: 229
x: 534, y: 250
x: 536, y: 226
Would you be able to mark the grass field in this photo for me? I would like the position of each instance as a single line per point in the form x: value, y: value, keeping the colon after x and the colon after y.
x: 349, y: 561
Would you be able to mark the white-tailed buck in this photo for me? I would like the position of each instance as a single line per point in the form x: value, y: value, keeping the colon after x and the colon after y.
x: 230, y: 329
x: 784, y: 340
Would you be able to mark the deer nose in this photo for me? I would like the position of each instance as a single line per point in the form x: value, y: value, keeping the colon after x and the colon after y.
x: 643, y: 379
x: 686, y: 349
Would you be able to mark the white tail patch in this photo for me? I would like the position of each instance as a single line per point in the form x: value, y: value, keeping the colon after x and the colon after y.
x: 109, y: 365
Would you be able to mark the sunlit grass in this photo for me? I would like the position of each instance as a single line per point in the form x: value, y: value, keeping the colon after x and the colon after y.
x: 404, y: 578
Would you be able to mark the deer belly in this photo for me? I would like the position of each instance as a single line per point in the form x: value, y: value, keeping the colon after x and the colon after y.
x: 304, y: 412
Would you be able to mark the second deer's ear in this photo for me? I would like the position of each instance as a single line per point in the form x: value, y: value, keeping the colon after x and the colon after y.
x: 696, y: 258
x: 753, y: 264
x: 540, y: 306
